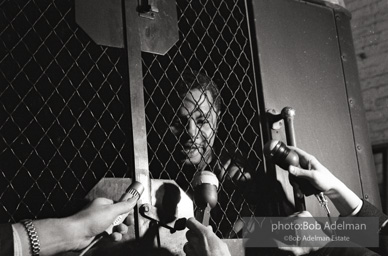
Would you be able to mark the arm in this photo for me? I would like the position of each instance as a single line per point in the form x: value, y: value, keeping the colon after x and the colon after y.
x: 77, y: 231
x: 6, y: 239
x: 344, y: 199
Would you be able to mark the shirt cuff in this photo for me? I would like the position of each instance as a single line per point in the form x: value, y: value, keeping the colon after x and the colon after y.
x: 357, y: 209
x: 17, y: 244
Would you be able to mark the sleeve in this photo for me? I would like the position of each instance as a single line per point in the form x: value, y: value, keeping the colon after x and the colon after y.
x: 6, y: 239
x: 369, y: 210
x: 352, y: 250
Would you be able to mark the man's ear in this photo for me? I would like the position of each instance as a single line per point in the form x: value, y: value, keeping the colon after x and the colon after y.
x: 218, y: 113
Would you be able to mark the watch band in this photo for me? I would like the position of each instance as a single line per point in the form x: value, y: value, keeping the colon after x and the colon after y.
x: 32, y: 236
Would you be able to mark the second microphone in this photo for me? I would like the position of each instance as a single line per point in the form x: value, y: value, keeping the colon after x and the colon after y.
x: 205, y: 184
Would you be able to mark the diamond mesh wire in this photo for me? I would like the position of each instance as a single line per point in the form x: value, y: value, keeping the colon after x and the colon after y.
x: 64, y: 104
x: 63, y: 110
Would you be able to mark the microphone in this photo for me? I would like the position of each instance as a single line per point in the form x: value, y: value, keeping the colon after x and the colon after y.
x: 205, y: 184
x: 281, y: 155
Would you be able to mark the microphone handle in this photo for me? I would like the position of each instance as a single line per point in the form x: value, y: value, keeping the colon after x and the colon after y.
x: 203, y: 215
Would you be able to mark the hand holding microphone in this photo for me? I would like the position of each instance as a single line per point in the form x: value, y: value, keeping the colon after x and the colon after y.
x: 127, y: 200
x: 344, y: 199
x: 288, y: 159
x: 285, y: 157
x: 205, y: 184
x: 132, y: 194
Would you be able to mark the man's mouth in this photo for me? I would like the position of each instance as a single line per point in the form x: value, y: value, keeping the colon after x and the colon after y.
x: 191, y: 150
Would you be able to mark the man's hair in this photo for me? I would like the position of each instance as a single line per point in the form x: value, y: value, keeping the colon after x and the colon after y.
x: 192, y: 79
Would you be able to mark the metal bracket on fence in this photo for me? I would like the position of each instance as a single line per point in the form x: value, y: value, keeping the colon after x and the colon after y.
x: 274, y: 119
x: 148, y: 9
x: 150, y: 212
x: 103, y: 21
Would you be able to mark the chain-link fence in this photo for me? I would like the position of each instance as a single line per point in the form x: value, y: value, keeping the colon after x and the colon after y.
x: 65, y: 121
x: 64, y: 114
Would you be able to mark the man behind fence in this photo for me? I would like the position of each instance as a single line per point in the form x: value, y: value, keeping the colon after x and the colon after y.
x: 197, y: 145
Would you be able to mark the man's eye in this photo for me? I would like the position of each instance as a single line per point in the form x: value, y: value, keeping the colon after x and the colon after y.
x: 176, y: 123
x: 202, y: 121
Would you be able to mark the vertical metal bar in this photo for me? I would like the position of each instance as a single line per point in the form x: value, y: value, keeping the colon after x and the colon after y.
x: 288, y: 115
x: 135, y: 80
x: 385, y: 179
x: 362, y: 149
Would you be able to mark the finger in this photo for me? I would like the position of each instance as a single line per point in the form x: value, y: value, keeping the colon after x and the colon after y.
x: 195, y: 226
x: 245, y: 176
x: 121, y: 228
x: 123, y: 207
x: 299, y: 172
x: 130, y: 220
x: 288, y: 249
x: 295, y: 214
x: 304, y: 157
x: 300, y: 152
x: 102, y: 201
x: 295, y: 250
x: 222, y: 171
x: 190, y: 234
x: 226, y: 164
x: 234, y: 173
x: 305, y: 214
x: 301, y: 214
x: 189, y: 250
x: 210, y: 228
x: 185, y: 247
x: 115, y: 236
x: 194, y: 241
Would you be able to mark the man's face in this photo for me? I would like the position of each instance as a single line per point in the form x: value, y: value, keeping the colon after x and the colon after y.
x: 195, y: 127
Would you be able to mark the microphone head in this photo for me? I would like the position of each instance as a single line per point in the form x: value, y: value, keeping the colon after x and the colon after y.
x: 136, y: 189
x: 205, y: 184
x: 136, y: 186
x: 205, y: 177
x: 278, y: 153
x: 269, y: 147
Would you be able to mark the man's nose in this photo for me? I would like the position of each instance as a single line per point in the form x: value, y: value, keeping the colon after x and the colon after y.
x: 192, y: 128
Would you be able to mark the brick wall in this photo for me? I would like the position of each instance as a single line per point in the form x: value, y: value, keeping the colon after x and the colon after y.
x: 370, y: 34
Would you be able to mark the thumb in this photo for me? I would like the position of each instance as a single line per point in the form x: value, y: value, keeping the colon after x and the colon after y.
x: 299, y: 172
x: 195, y: 226
x: 124, y: 206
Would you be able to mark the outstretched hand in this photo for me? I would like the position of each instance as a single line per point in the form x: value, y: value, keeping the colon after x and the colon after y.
x: 344, y: 199
x: 96, y: 218
x: 313, y: 171
x: 305, y: 246
x: 202, y: 241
